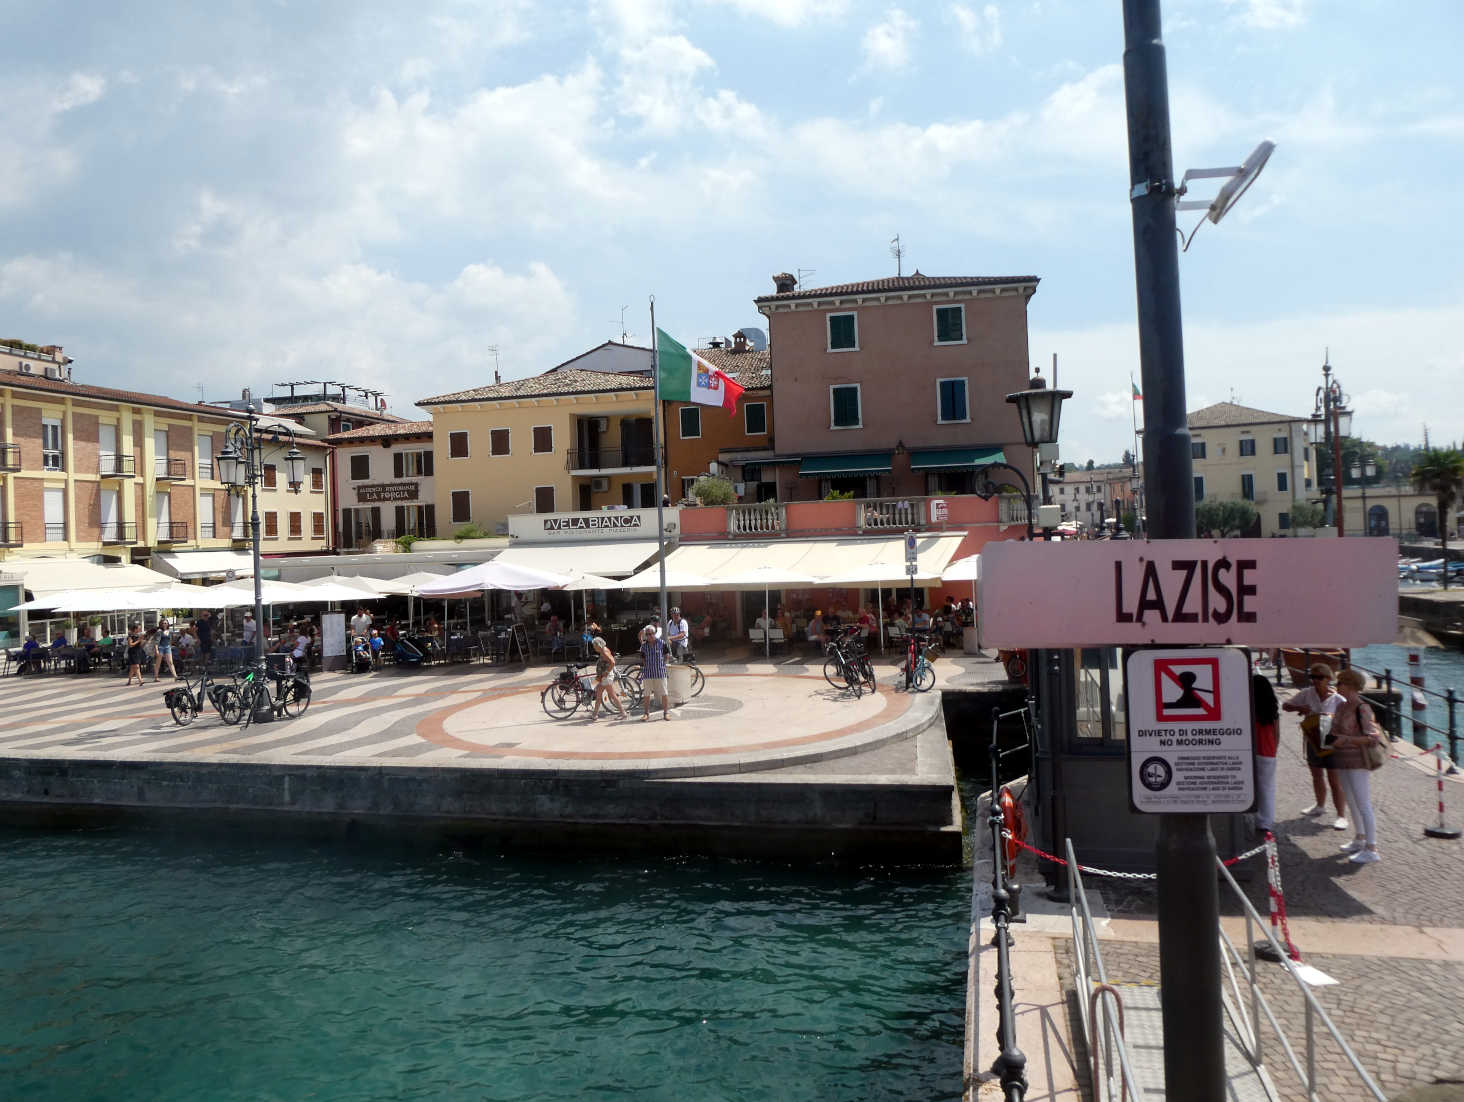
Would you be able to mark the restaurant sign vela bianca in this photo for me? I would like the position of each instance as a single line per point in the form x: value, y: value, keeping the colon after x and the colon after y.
x: 1190, y: 738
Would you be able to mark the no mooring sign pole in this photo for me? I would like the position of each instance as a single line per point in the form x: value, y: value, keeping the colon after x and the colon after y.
x: 1189, y: 906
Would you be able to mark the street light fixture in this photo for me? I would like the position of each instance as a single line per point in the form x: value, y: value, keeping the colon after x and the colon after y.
x: 240, y: 466
x: 1040, y: 411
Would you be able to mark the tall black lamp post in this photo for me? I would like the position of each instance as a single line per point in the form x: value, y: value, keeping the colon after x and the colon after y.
x: 1362, y: 474
x: 1330, y: 421
x: 241, y: 466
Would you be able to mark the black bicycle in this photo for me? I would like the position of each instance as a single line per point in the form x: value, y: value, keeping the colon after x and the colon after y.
x: 290, y: 696
x: 633, y: 678
x: 186, y: 701
x: 847, y: 665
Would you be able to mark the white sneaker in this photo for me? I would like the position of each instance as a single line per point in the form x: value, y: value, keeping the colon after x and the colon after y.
x: 1365, y: 857
x: 1315, y: 810
x: 1353, y: 846
x: 1340, y: 824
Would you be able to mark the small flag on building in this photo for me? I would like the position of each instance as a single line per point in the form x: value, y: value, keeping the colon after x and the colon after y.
x: 686, y: 377
x: 1137, y: 396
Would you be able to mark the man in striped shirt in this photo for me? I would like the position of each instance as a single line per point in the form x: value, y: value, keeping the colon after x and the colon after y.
x: 653, y: 673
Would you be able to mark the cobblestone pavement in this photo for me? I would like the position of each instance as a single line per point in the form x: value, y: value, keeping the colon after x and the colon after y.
x: 1405, y: 1027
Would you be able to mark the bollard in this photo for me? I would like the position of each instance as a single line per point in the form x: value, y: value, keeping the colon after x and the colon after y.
x: 1420, y: 703
x: 1395, y: 717
x: 1442, y: 829
x: 1453, y: 732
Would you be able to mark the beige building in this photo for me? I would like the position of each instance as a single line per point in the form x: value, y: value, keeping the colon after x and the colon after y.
x: 1089, y: 497
x: 563, y: 441
x: 1249, y: 454
x: 127, y: 476
x: 385, y: 483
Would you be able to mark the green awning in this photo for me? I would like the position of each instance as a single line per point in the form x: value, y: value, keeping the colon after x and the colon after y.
x: 955, y: 459
x: 859, y: 463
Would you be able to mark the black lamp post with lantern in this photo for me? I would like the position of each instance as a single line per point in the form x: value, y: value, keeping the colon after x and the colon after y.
x: 241, y: 466
x: 1330, y: 421
x: 1040, y: 410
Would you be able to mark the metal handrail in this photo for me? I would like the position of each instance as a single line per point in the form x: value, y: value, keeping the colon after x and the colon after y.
x: 1085, y: 941
x: 11, y: 534
x: 1011, y: 1062
x: 1259, y: 1002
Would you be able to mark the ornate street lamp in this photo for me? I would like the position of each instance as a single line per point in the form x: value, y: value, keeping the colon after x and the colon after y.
x: 240, y: 466
x: 1330, y: 421
x: 1040, y: 411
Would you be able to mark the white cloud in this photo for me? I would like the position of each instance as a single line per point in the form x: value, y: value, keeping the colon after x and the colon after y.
x: 980, y: 30
x: 887, y: 44
x: 1269, y: 15
x: 30, y: 113
x: 635, y: 19
x: 81, y: 90
x: 790, y: 13
x: 659, y: 81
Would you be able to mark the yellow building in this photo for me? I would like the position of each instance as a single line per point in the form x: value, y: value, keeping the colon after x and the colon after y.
x: 566, y: 440
x: 1248, y: 454
x: 125, y: 476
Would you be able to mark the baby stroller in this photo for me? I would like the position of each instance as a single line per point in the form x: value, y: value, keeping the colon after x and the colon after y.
x: 360, y: 655
x: 408, y: 653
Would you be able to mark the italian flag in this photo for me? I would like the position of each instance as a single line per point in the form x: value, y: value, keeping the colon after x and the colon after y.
x: 686, y: 377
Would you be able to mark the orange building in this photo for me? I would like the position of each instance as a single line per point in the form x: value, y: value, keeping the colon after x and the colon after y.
x: 697, y: 436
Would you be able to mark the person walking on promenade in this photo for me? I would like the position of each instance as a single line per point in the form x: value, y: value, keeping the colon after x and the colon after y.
x: 605, y: 690
x: 1320, y: 700
x: 163, y: 643
x: 678, y: 635
x: 135, y: 644
x: 203, y: 627
x: 1264, y: 714
x: 1354, y: 729
x: 653, y: 674
x: 248, y: 632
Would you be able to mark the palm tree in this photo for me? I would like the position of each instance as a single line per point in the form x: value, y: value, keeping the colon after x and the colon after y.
x: 1440, y: 471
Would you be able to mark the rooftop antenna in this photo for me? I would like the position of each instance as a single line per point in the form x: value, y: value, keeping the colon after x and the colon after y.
x: 494, y: 349
x: 898, y: 252
x: 624, y: 336
x: 803, y: 272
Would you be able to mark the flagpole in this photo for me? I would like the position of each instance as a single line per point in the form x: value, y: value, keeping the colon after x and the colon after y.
x: 660, y: 458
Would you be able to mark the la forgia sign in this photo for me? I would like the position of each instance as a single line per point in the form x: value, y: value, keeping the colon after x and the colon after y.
x: 1253, y: 592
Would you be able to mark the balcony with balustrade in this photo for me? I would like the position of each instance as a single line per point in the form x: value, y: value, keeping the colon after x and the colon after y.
x: 116, y: 465
x: 11, y: 534
x: 173, y: 531
x: 593, y: 461
x: 167, y: 469
x: 9, y: 457
x: 117, y: 532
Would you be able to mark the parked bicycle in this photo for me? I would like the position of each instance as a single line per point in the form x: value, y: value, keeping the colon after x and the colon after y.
x: 572, y: 688
x: 290, y: 696
x: 633, y: 674
x: 918, y: 653
x: 847, y: 665
x: 187, y: 700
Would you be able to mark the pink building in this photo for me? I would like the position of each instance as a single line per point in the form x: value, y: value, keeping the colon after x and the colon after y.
x: 896, y: 387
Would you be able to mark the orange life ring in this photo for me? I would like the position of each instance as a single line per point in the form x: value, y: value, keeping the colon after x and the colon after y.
x: 1014, y: 824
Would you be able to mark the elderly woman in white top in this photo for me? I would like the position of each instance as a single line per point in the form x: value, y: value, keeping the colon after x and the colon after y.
x: 1354, y: 729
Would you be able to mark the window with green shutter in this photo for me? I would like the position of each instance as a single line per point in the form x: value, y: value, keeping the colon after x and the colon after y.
x: 844, y: 406
x: 843, y: 332
x: 950, y: 325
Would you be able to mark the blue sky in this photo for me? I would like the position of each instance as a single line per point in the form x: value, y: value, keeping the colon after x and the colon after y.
x: 242, y: 194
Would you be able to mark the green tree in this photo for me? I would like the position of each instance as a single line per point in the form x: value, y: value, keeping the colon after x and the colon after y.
x: 470, y: 532
x: 1306, y: 514
x: 1440, y: 471
x: 713, y: 490
x: 1224, y: 518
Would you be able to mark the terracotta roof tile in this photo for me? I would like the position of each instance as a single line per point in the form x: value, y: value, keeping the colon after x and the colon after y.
x: 896, y: 284
x: 110, y: 394
x: 543, y: 386
x: 381, y: 432
x: 752, y: 368
x: 287, y: 408
x: 1228, y: 414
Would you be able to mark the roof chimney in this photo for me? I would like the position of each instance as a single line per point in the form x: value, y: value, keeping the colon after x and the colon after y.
x: 785, y: 282
x: 739, y: 341
x: 716, y: 342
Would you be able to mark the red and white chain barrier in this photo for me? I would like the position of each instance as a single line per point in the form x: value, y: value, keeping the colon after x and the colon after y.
x: 1089, y: 870
x: 1279, y: 930
x: 1441, y: 829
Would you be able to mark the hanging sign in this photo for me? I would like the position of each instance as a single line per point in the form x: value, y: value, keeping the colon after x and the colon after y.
x: 1190, y: 741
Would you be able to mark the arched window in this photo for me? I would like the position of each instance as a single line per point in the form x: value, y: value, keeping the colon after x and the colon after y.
x: 1377, y: 520
x: 1426, y: 521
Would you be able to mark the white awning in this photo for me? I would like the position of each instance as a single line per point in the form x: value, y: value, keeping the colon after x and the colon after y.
x: 867, y: 561
x: 609, y: 559
x: 206, y: 564
x: 44, y: 577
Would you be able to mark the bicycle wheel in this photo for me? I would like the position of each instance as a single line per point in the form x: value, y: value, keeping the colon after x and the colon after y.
x: 698, y: 681
x: 632, y: 682
x: 295, y: 698
x: 560, y: 701
x: 226, y: 702
x: 852, y: 681
x: 866, y: 672
x: 833, y: 672
x: 180, y: 703
x: 924, y: 679
x: 249, y: 694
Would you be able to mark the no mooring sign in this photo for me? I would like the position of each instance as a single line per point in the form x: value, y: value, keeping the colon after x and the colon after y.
x: 1190, y: 742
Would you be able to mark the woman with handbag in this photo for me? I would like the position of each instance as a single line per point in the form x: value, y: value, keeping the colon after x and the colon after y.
x: 1359, y: 746
x: 1313, y: 703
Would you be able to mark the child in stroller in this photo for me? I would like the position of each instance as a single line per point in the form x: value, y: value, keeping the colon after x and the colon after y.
x: 407, y: 652
x: 360, y: 655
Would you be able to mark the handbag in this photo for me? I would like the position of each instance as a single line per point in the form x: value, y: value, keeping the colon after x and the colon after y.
x: 1375, y: 753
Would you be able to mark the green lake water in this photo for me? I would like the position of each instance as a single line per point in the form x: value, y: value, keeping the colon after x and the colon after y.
x: 156, y: 966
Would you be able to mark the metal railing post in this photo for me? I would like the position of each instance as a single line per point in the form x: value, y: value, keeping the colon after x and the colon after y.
x: 1453, y: 729
x: 1388, y: 688
x: 1011, y: 1063
x: 1311, y: 1053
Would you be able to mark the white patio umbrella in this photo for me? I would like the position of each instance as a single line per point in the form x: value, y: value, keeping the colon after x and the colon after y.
x: 581, y: 582
x: 768, y: 578
x: 650, y: 578
x: 333, y: 589
x: 406, y: 585
x: 271, y: 592
x: 491, y: 575
x: 963, y: 570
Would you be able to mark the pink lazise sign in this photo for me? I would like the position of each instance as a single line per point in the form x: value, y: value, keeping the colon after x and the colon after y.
x: 1294, y: 592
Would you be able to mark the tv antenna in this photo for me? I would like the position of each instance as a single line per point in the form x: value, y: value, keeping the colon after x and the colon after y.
x: 624, y: 336
x: 898, y: 252
x: 803, y: 272
x: 494, y: 349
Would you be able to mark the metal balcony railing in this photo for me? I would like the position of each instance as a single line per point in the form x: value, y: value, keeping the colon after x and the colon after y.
x: 880, y: 513
x: 173, y: 531
x: 206, y: 530
x: 118, y: 532
x: 168, y: 469
x: 601, y: 459
x: 205, y: 468
x: 9, y: 457
x: 766, y: 518
x: 55, y: 533
x: 11, y: 535
x: 114, y: 465
x: 239, y: 533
